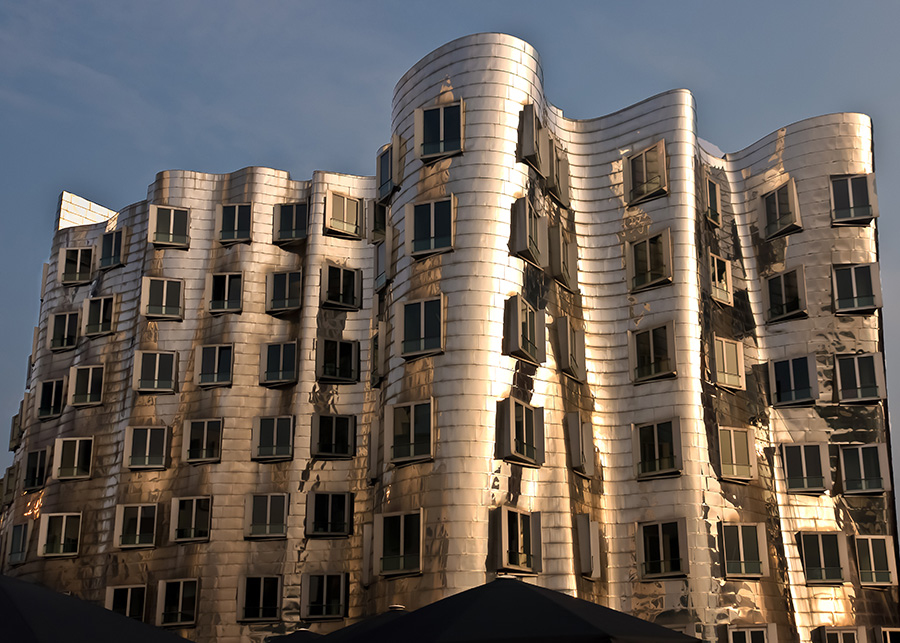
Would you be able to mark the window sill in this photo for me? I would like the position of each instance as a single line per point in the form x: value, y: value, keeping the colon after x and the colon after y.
x: 426, y: 353
x: 413, y: 459
x: 522, y: 461
x: 658, y: 376
x: 424, y: 254
x: 225, y: 384
x: 650, y: 196
x: 340, y: 233
x: 651, y: 285
x: 655, y: 475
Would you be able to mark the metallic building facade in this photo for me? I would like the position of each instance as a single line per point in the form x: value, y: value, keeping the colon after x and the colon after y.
x: 599, y: 354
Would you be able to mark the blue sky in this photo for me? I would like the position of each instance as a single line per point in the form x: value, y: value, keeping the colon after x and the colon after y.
x: 97, y: 97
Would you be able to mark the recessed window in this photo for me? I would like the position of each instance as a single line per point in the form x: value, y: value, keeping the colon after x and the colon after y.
x: 338, y: 361
x: 35, y: 470
x: 563, y: 257
x: 520, y: 540
x: 862, y: 466
x: 136, y: 525
x: 423, y: 327
x: 409, y: 434
x: 18, y: 544
x: 387, y: 174
x: 439, y: 131
x: 823, y: 557
x: 804, y: 467
x: 215, y: 365
x: 155, y: 372
x: 344, y: 216
x: 111, y: 249
x: 52, y: 399
x: 429, y: 227
x: 853, y: 199
x: 204, y: 440
x: 162, y: 298
x: 127, y: 600
x: 649, y: 261
x: 274, y: 438
x: 260, y: 599
x: 291, y: 220
x: 856, y: 288
x: 76, y: 265
x: 169, y: 226
x: 729, y: 363
x: 645, y: 174
x: 267, y: 516
x: 525, y: 330
x: 190, y: 518
x: 780, y: 211
x: 713, y: 202
x: 658, y: 448
x: 793, y: 381
x: 875, y: 560
x: 737, y: 453
x: 720, y: 279
x: 528, y: 238
x: 334, y: 436
x: 860, y: 377
x: 398, y: 543
x: 742, y: 550
x: 65, y: 331
x: 660, y: 549
x: 343, y: 288
x: 520, y: 432
x: 653, y: 353
x: 88, y: 385
x: 324, y: 596
x: 145, y: 447
x: 98, y: 313
x: 283, y: 291
x: 234, y: 222
x: 329, y: 514
x: 571, y: 357
x: 279, y: 364
x: 59, y: 534
x: 72, y: 458
x: 177, y: 602
x: 225, y: 293
x: 581, y: 444
x: 786, y: 295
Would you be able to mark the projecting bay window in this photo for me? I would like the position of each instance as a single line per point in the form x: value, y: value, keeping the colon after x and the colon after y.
x: 291, y: 223
x: 329, y: 514
x: 729, y: 363
x: 333, y: 436
x: 657, y: 446
x: 857, y: 288
x: 875, y: 560
x: 563, y: 257
x: 225, y: 292
x: 409, y: 436
x: 176, y: 602
x: 145, y: 447
x: 805, y: 467
x: 581, y: 444
x: 860, y: 377
x: 429, y: 227
x: 215, y: 365
x: 136, y: 525
x: 589, y: 555
x: 519, y: 540
x: 720, y: 279
x: 260, y: 598
x: 533, y: 140
x: 59, y: 534
x: 737, y: 454
x: 75, y: 265
x: 649, y: 261
x: 743, y: 546
x: 154, y: 372
x: 653, y: 353
x: 72, y: 458
x: 422, y: 327
x: 344, y: 216
x: 98, y: 316
x: 88, y: 385
x: 824, y: 557
x: 853, y: 200
x: 324, y: 596
x: 713, y: 202
x: 388, y: 169
x: 645, y: 174
x: 273, y: 438
x: 190, y: 519
x: 398, y: 543
x: 283, y: 292
x: 342, y: 288
x: 35, y: 470
x: 162, y: 298
x: 780, y: 211
x: 439, y: 131
x: 204, y: 440
x: 571, y: 356
x: 169, y: 226
x: 278, y: 364
x: 864, y: 467
x: 64, y: 331
x: 53, y: 397
x: 234, y: 222
x: 267, y: 516
x: 18, y: 543
x: 661, y: 549
x: 524, y: 331
x: 793, y: 381
x: 786, y: 295
x: 520, y: 432
x: 111, y: 249
x: 529, y: 238
x: 338, y: 361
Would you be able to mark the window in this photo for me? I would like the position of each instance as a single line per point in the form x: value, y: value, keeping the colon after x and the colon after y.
x: 72, y: 458
x: 520, y: 432
x: 860, y: 378
x: 204, y: 440
x: 343, y: 288
x: 856, y: 288
x: 660, y: 547
x: 378, y: 355
x: 853, y: 199
x: 292, y: 220
x: 588, y: 533
x: 862, y: 466
x: 274, y: 438
x: 529, y: 233
x: 334, y: 436
x: 653, y: 353
x: 563, y: 258
x: 780, y: 212
x: 429, y: 227
x: 650, y: 261
x: 793, y: 381
x: 283, y: 292
x: 111, y: 249
x: 388, y: 172
x: 720, y: 278
x: 162, y: 298
x: 742, y: 552
x: 190, y: 518
x: 786, y: 295
x: 520, y: 540
x: 127, y: 601
x: 279, y: 364
x: 324, y: 595
x: 234, y: 222
x: 155, y: 372
x: 35, y: 470
x: 729, y: 363
x: 177, y: 602
x: 215, y: 365
x: 558, y: 174
x: 268, y: 515
x: 398, y: 542
x: 18, y: 543
x: 658, y: 448
x: 88, y: 387
x: 840, y: 635
x: 713, y: 199
x: 338, y: 361
x: 136, y: 525
x: 260, y: 598
x: 379, y: 229
x: 888, y: 634
x: 645, y: 174
x: 382, y: 266
x: 345, y: 216
x: 875, y: 560
x: 52, y: 399
x: 409, y: 434
x: 581, y: 444
x: 570, y: 359
x: 422, y: 327
x: 749, y: 634
x: 145, y: 447
x: 737, y: 453
x: 225, y: 293
x: 169, y: 226
x: 524, y: 334
x: 98, y: 315
x: 439, y: 131
x: 534, y: 140
x: 59, y: 534
x: 823, y: 555
x: 329, y: 514
x: 75, y: 265
x: 804, y: 467
x: 65, y: 331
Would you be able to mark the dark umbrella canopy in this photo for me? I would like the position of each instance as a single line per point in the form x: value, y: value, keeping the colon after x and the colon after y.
x: 363, y: 629
x: 300, y: 636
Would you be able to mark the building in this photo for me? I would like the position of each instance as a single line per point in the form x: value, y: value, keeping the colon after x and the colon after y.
x: 600, y: 354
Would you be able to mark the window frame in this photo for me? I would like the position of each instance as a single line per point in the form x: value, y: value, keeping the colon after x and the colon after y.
x: 529, y: 235
x: 139, y: 384
x: 581, y: 445
x: 280, y: 451
x: 288, y: 302
x: 387, y: 185
x: 767, y: 629
x: 761, y: 549
x: 812, y: 376
x: 102, y: 328
x: 188, y: 426
x: 631, y: 196
x: 515, y: 344
x: 315, y: 448
x: 891, y: 570
x: 588, y: 533
x: 884, y: 478
x: 824, y: 468
x: 169, y: 239
x: 840, y: 542
x: 681, y: 537
x: 712, y: 213
x: 78, y: 472
x: 856, y: 308
x: 58, y: 397
x: 91, y: 397
x: 641, y: 471
x: 165, y: 312
x: 35, y: 476
x: 118, y: 240
x: 866, y: 216
x: 409, y: 213
x: 563, y: 257
x: 824, y: 634
x: 197, y: 533
x: 339, y: 227
x: 570, y: 341
x: 162, y: 590
x: 508, y: 448
x: 533, y: 140
x: 252, y: 531
x: 653, y: 276
x: 402, y: 546
x: 668, y: 367
x: 109, y: 601
x: 151, y: 460
x: 297, y: 234
x: 266, y: 611
x: 391, y: 436
x: 230, y: 304
x: 44, y: 528
x: 69, y: 338
x: 142, y: 541
x: 342, y: 528
x: 223, y: 365
x: 234, y: 234
x: 749, y: 439
x: 306, y: 596
x: 428, y: 157
x: 725, y: 375
x: 19, y: 538
x: 422, y: 350
x: 80, y: 277
x: 722, y: 294
x: 332, y: 374
x: 801, y: 310
x: 862, y: 397
x: 782, y: 226
x: 527, y: 538
x: 283, y: 376
x: 341, y: 302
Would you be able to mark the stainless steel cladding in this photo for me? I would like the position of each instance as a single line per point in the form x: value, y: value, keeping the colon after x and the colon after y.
x: 600, y: 355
